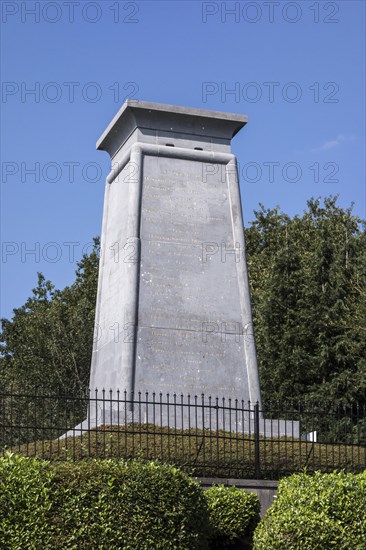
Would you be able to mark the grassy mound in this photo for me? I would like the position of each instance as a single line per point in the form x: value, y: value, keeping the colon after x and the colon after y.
x: 202, y: 452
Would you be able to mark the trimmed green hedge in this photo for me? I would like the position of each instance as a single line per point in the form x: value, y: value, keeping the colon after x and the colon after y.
x: 234, y: 513
x: 318, y: 512
x: 25, y: 502
x: 107, y: 504
x: 100, y: 504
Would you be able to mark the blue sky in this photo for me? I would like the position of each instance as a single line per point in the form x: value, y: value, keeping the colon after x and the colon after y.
x: 297, y: 69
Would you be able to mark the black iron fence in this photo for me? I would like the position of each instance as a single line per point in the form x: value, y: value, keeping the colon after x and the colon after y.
x: 204, y: 436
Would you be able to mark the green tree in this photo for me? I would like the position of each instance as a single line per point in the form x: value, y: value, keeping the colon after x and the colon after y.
x: 307, y: 278
x: 47, y: 345
x: 49, y: 339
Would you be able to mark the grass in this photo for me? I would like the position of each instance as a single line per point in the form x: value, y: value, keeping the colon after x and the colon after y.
x: 202, y: 453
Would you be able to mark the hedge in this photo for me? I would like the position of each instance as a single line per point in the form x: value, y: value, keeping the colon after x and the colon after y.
x: 101, y: 504
x: 25, y: 502
x: 107, y: 504
x: 233, y: 513
x: 316, y: 512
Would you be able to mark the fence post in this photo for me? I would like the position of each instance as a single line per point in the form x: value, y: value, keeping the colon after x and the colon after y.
x: 256, y: 442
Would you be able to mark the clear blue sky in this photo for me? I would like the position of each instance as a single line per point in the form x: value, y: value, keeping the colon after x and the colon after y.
x: 297, y: 69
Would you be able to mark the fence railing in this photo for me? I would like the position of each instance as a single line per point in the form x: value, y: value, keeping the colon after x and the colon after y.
x: 205, y: 436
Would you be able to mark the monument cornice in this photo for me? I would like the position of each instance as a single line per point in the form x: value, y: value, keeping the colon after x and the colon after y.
x: 166, y: 119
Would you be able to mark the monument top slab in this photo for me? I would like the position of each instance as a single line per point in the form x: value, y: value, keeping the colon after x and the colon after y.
x: 163, y: 118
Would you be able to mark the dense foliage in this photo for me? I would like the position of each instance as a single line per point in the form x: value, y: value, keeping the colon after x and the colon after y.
x: 25, y: 502
x: 233, y: 514
x: 49, y: 339
x: 308, y: 286
x: 141, y: 505
x: 316, y: 512
x: 99, y: 504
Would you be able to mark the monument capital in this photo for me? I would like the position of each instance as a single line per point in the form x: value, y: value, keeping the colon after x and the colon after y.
x: 155, y: 122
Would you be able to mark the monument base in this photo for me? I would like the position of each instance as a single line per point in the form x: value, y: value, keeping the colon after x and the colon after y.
x: 186, y: 414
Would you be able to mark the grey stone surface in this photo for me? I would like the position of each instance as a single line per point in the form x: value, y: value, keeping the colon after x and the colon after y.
x: 173, y: 307
x: 182, y: 412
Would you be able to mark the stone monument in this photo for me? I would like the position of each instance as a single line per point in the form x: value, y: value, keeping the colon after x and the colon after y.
x: 173, y: 306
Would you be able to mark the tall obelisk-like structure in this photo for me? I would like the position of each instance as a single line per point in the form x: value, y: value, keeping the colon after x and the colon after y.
x: 173, y: 308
